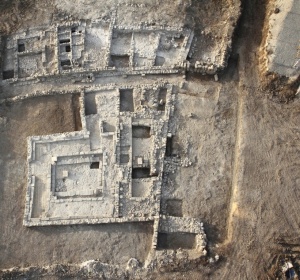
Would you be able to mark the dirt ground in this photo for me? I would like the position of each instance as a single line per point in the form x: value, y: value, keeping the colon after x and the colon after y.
x: 242, y: 142
x: 205, y: 124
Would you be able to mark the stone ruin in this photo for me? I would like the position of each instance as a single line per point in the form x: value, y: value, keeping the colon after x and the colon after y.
x: 79, y: 47
x: 104, y: 48
x: 111, y: 171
